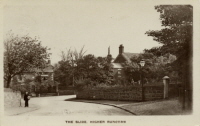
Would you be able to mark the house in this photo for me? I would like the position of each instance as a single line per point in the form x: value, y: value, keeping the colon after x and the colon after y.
x: 46, y: 74
x: 117, y: 63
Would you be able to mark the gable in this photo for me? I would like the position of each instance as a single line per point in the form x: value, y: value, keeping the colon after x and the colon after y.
x: 125, y: 57
x: 120, y: 59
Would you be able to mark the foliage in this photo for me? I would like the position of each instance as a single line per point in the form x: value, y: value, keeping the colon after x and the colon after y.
x: 96, y: 69
x: 66, y: 68
x: 155, y: 67
x: 33, y: 85
x: 22, y: 54
x: 63, y: 72
x: 26, y: 86
x: 76, y: 67
x: 43, y: 85
x: 132, y: 73
x: 176, y: 36
x: 82, y: 83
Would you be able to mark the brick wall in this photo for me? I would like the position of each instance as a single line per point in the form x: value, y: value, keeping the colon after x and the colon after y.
x: 11, y: 99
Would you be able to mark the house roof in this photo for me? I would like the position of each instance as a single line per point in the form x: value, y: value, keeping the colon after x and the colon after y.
x: 128, y: 55
x: 47, y: 69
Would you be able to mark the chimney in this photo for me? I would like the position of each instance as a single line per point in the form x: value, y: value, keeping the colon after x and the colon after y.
x: 109, y: 56
x: 121, y: 49
x: 109, y: 50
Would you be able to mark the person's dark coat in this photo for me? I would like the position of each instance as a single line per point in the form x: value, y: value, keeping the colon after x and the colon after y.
x: 26, y: 99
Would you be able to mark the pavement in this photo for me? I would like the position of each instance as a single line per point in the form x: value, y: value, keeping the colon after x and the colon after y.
x: 69, y: 105
x: 12, y: 111
x: 163, y: 107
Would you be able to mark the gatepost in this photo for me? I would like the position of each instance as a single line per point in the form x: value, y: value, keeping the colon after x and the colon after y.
x: 166, y: 86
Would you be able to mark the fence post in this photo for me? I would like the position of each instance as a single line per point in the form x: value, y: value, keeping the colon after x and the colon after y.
x: 166, y: 86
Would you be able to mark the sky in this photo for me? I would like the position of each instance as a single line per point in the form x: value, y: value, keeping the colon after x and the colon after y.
x: 98, y: 24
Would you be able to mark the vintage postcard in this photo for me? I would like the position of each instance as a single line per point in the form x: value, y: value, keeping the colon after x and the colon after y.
x: 102, y: 62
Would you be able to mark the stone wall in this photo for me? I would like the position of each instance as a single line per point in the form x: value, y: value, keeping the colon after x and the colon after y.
x: 153, y: 92
x: 125, y: 93
x: 133, y: 93
x: 11, y: 99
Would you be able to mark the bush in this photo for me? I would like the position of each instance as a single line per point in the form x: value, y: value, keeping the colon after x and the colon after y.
x: 82, y: 83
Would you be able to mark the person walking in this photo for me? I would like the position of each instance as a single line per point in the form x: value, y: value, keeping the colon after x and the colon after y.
x: 26, y: 99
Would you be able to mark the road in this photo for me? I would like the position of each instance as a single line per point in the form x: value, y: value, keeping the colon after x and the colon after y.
x: 57, y: 105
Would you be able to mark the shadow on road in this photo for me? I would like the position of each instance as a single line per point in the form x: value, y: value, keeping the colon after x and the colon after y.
x: 115, y: 104
x: 102, y: 101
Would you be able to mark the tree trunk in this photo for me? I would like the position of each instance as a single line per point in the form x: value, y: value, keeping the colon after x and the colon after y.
x: 8, y: 81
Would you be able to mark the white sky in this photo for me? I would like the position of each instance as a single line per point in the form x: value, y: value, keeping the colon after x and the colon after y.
x: 97, y: 24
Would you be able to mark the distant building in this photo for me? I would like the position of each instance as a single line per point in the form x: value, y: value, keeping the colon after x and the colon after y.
x: 123, y: 57
x: 46, y: 74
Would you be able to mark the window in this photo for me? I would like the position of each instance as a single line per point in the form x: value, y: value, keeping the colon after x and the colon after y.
x: 119, y: 71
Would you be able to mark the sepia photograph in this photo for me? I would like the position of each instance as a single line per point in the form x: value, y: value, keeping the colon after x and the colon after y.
x: 107, y: 60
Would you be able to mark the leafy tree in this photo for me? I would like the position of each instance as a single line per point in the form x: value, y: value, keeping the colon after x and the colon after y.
x: 63, y: 73
x: 155, y: 67
x: 156, y: 51
x: 81, y: 68
x: 132, y: 73
x: 96, y: 69
x: 176, y: 38
x: 22, y: 54
x: 66, y: 69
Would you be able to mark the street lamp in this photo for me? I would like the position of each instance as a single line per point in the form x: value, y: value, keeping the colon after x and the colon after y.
x: 74, y: 65
x: 142, y: 63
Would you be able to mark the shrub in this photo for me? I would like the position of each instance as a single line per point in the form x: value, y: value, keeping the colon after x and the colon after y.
x: 82, y: 83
